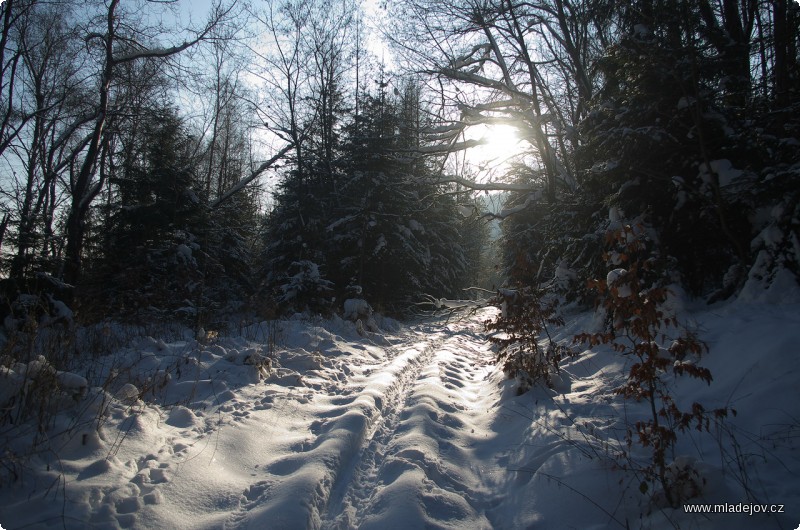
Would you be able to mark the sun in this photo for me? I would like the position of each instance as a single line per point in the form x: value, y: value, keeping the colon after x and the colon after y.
x: 501, y: 143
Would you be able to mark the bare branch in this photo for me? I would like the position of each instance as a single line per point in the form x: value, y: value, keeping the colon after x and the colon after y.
x: 446, y: 149
x: 239, y: 186
x: 173, y: 50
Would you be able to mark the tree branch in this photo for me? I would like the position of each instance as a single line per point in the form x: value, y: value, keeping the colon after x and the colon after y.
x: 486, y: 186
x: 239, y: 186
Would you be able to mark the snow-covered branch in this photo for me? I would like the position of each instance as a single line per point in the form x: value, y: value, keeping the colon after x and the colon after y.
x: 152, y: 53
x: 508, y: 212
x: 446, y: 149
x: 485, y: 186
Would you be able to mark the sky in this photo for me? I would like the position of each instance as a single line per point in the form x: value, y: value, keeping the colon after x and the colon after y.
x: 491, y: 159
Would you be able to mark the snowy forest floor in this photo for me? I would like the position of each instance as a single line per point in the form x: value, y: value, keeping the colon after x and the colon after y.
x: 304, y: 423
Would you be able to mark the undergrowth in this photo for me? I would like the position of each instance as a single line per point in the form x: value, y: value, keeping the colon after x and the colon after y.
x: 57, y: 382
x: 526, y: 350
x: 661, y: 349
x: 634, y: 298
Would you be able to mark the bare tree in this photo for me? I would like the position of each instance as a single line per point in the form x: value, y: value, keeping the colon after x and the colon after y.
x: 786, y: 42
x: 226, y: 115
x: 10, y: 12
x: 284, y: 74
x: 519, y: 64
x: 331, y: 46
x: 118, y: 44
x: 313, y: 48
x: 45, y: 97
x: 729, y: 30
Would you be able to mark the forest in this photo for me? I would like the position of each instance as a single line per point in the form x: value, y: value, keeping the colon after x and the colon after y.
x: 158, y: 161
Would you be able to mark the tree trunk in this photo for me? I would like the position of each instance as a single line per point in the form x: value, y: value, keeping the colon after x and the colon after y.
x: 82, y: 191
x: 780, y: 68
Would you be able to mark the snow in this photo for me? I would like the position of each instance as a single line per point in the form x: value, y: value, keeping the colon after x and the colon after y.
x: 615, y: 219
x: 416, y: 226
x: 724, y: 170
x: 72, y: 382
x: 305, y: 423
x: 185, y: 254
x: 355, y: 308
x: 359, y: 311
x: 642, y: 31
x: 380, y: 245
x: 564, y: 275
x: 466, y: 210
x: 615, y: 278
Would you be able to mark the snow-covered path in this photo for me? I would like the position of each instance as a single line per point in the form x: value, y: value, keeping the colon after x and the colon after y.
x: 405, y: 429
x: 390, y: 437
x: 417, y: 442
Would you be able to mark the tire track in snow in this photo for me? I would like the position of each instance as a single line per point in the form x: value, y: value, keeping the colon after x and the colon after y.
x: 324, y: 467
x: 359, y: 480
x: 425, y: 465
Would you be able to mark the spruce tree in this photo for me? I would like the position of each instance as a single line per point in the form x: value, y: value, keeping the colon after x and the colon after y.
x: 399, y: 234
x: 150, y: 248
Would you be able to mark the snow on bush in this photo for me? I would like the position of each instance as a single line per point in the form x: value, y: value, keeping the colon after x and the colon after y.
x: 359, y: 311
x: 305, y: 287
x: 616, y: 279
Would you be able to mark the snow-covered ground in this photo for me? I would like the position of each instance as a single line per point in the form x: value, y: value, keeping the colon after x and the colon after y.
x: 308, y: 424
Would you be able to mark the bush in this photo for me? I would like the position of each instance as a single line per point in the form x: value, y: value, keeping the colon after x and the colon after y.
x: 639, y: 327
x: 526, y: 350
x: 305, y: 288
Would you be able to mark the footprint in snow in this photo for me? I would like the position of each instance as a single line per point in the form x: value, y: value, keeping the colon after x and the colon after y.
x: 287, y: 466
x: 317, y: 427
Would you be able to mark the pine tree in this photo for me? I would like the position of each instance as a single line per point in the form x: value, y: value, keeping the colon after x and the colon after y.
x: 374, y: 222
x: 656, y: 139
x: 296, y: 247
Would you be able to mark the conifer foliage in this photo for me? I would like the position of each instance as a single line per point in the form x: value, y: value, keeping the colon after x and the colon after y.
x: 377, y: 224
x: 651, y: 138
x: 149, y: 236
x: 688, y: 127
x: 684, y: 114
x: 157, y: 245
